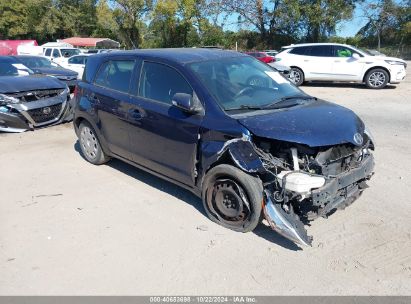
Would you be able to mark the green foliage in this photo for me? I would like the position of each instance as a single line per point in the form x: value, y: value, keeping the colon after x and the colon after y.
x: 261, y: 24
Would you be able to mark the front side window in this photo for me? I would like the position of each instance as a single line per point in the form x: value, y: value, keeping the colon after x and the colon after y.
x: 342, y: 51
x: 56, y: 53
x: 160, y: 82
x: 69, y: 52
x: 244, y: 83
x: 115, y: 75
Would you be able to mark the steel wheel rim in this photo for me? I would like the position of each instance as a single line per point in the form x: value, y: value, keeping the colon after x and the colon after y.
x: 376, y: 79
x: 227, y: 201
x: 89, y: 143
x: 294, y: 76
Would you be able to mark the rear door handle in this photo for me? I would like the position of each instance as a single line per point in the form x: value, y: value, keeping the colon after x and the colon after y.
x: 135, y: 114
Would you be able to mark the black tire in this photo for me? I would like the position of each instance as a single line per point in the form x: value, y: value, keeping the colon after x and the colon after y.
x: 296, y: 76
x: 224, y: 188
x: 376, y: 79
x: 90, y: 145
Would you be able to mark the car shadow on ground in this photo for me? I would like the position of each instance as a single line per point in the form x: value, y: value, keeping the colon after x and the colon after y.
x: 188, y: 197
x: 319, y: 84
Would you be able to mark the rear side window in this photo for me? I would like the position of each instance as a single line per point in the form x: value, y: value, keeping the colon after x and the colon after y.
x: 160, y: 82
x: 321, y: 51
x: 299, y: 50
x: 115, y: 75
x: 48, y: 52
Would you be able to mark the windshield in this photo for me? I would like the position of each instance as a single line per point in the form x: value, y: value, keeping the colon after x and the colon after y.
x: 37, y: 62
x: 69, y: 52
x: 244, y: 83
x: 14, y: 69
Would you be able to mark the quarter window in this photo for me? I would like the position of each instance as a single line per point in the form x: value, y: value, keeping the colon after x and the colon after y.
x: 116, y: 75
x: 160, y: 82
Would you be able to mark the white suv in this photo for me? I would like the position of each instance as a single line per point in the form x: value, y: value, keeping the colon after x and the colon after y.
x: 340, y: 62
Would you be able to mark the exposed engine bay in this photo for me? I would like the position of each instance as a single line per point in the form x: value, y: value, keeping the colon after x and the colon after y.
x: 302, y: 183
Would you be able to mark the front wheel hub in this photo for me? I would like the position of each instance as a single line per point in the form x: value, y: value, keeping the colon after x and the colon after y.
x: 228, y: 200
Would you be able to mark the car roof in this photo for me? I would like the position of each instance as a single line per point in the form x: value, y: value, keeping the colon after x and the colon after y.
x: 178, y: 55
x: 312, y: 44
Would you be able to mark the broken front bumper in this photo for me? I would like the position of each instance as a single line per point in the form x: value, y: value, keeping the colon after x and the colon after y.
x: 20, y: 117
x: 338, y: 192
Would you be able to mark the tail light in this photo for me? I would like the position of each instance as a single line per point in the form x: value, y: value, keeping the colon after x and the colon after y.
x: 75, y: 91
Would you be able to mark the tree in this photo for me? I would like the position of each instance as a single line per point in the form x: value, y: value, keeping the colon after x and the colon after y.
x: 388, y: 19
x: 129, y: 15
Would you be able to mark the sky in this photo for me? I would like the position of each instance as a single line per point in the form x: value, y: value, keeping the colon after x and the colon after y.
x: 351, y: 27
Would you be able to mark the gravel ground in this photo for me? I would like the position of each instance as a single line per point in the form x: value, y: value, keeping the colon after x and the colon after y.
x: 71, y: 228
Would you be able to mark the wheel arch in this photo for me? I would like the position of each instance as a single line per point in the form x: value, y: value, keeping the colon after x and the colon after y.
x: 79, y: 119
x: 375, y: 68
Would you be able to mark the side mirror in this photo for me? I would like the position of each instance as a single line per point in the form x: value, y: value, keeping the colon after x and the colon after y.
x: 188, y: 103
x: 356, y: 56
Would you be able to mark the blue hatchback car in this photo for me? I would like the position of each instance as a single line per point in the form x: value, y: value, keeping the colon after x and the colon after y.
x: 229, y: 128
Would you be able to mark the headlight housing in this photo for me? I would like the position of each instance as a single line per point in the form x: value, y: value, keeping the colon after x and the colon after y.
x: 66, y: 90
x: 394, y: 62
x: 370, y: 136
x: 5, y: 100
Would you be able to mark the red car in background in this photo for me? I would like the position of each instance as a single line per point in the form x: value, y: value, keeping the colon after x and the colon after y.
x: 261, y: 56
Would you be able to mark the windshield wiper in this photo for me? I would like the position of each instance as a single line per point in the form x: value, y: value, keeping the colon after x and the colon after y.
x: 288, y: 101
x: 245, y: 107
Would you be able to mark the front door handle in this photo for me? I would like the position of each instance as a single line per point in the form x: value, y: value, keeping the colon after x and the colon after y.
x: 135, y: 114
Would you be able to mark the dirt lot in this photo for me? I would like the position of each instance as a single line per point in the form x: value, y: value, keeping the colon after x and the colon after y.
x: 68, y: 227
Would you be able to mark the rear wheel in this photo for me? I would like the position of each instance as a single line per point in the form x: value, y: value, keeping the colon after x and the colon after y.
x: 376, y: 79
x: 90, y: 145
x: 296, y: 76
x: 232, y: 198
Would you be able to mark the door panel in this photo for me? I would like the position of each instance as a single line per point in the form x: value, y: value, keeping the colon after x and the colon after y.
x: 317, y: 63
x: 346, y: 67
x: 112, y: 111
x: 163, y: 137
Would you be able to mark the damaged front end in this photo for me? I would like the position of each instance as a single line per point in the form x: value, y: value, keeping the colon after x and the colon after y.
x: 302, y: 183
x: 27, y: 110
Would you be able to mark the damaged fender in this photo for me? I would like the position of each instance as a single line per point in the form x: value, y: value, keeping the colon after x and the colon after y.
x: 244, y: 155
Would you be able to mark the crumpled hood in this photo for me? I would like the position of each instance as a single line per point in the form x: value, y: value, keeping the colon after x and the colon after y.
x: 13, y: 84
x: 315, y: 124
x: 56, y: 71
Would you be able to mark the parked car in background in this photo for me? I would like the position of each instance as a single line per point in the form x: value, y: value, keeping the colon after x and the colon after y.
x: 374, y: 53
x: 98, y: 51
x: 29, y: 101
x: 228, y: 128
x: 60, y: 55
x: 283, y: 69
x: 261, y: 56
x: 42, y: 65
x: 271, y: 53
x: 340, y: 62
x: 77, y: 64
